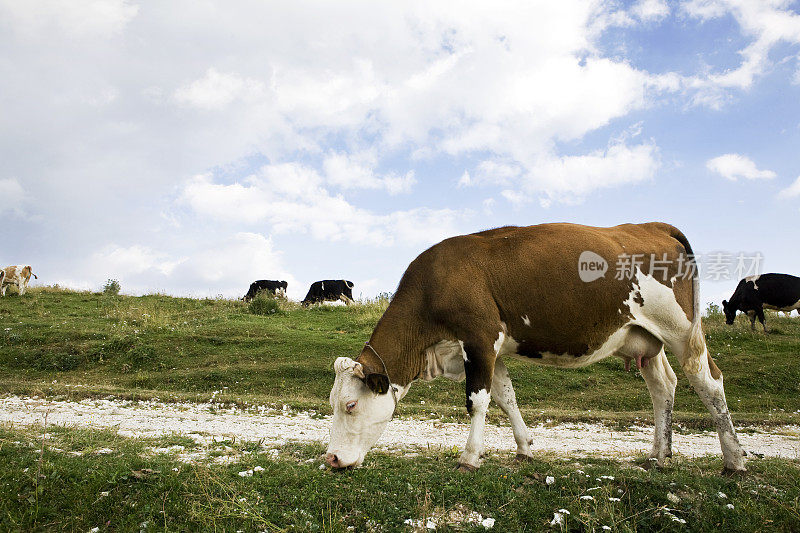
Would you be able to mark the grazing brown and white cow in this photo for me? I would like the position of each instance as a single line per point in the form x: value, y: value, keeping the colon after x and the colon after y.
x: 18, y: 275
x: 542, y: 294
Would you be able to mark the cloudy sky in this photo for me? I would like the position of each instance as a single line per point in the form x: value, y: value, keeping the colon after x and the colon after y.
x: 191, y: 147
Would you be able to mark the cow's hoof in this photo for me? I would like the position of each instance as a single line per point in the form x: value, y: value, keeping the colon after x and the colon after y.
x: 465, y: 468
x: 521, y: 457
x: 734, y: 472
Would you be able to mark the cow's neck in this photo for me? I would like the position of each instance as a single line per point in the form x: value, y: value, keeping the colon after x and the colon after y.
x: 400, y: 340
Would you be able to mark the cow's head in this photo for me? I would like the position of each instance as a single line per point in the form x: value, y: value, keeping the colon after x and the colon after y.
x: 730, y: 311
x: 363, y: 404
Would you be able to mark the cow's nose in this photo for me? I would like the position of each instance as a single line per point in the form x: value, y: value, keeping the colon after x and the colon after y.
x: 332, y: 460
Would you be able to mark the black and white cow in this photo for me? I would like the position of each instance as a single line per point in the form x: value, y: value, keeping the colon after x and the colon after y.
x: 329, y: 290
x: 275, y: 287
x: 468, y: 302
x: 753, y: 294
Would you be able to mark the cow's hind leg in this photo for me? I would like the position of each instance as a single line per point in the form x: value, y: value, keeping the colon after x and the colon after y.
x: 706, y: 379
x: 661, y: 382
x: 503, y: 394
x: 479, y: 363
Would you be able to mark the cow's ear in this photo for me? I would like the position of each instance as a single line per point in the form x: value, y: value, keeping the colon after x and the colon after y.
x: 724, y: 303
x: 377, y: 383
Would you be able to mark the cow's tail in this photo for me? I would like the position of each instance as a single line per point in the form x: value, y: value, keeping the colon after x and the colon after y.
x: 696, y: 345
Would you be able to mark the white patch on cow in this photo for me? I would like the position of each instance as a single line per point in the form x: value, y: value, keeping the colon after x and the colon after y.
x: 526, y: 320
x: 509, y: 346
x: 354, y: 433
x: 474, y: 448
x: 754, y: 279
x: 480, y: 399
x: 499, y: 342
x: 446, y: 359
x: 660, y: 313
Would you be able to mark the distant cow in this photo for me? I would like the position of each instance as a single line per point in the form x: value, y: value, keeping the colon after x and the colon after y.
x: 275, y: 287
x: 767, y: 291
x: 330, y: 290
x: 18, y: 275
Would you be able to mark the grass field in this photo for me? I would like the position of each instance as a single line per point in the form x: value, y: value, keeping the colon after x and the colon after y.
x: 72, y: 345
x: 76, y: 344
x: 82, y: 480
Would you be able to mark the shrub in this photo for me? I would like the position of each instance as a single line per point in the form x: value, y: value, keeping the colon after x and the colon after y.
x: 111, y: 287
x: 713, y: 309
x: 263, y: 304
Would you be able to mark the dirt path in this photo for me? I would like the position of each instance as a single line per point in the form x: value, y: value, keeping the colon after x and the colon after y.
x: 206, y: 421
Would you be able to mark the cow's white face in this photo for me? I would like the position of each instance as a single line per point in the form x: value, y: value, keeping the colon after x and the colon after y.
x: 362, y: 408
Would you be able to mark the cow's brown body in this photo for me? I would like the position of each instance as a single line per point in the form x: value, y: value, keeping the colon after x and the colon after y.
x: 464, y: 288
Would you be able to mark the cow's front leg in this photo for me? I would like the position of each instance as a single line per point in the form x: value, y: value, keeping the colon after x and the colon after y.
x: 661, y: 382
x: 752, y: 316
x: 761, y: 318
x: 503, y: 395
x: 479, y: 362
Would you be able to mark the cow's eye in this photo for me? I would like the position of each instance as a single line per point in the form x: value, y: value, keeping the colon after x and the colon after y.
x: 351, y: 405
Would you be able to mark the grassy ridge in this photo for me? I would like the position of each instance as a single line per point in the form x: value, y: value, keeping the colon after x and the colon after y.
x: 76, y: 480
x: 74, y: 343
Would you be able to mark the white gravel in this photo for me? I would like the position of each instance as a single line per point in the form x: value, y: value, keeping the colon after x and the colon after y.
x: 274, y: 427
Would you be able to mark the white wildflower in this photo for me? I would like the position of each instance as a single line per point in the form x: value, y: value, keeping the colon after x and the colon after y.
x: 613, y: 499
x: 606, y: 528
x: 587, y: 498
x: 722, y: 495
x: 673, y: 498
x: 558, y: 519
x: 246, y: 473
x: 730, y: 506
x: 487, y: 523
x: 550, y: 480
x: 258, y: 469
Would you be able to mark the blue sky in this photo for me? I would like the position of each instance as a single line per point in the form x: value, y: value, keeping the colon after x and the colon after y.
x: 191, y: 148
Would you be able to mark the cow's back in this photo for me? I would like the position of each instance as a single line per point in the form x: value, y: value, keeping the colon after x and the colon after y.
x: 530, y: 274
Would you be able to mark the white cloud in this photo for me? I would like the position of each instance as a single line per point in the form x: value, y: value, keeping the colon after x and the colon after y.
x: 119, y: 261
x: 290, y: 198
x: 217, y: 90
x: 733, y: 166
x: 76, y: 18
x: 12, y: 196
x: 219, y: 266
x: 650, y: 10
x: 766, y: 22
x: 792, y: 190
x: 356, y: 171
x: 577, y: 175
x: 569, y: 179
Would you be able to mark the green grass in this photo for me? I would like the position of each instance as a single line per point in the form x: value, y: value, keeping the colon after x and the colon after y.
x: 61, y: 483
x: 71, y: 345
x: 75, y: 344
